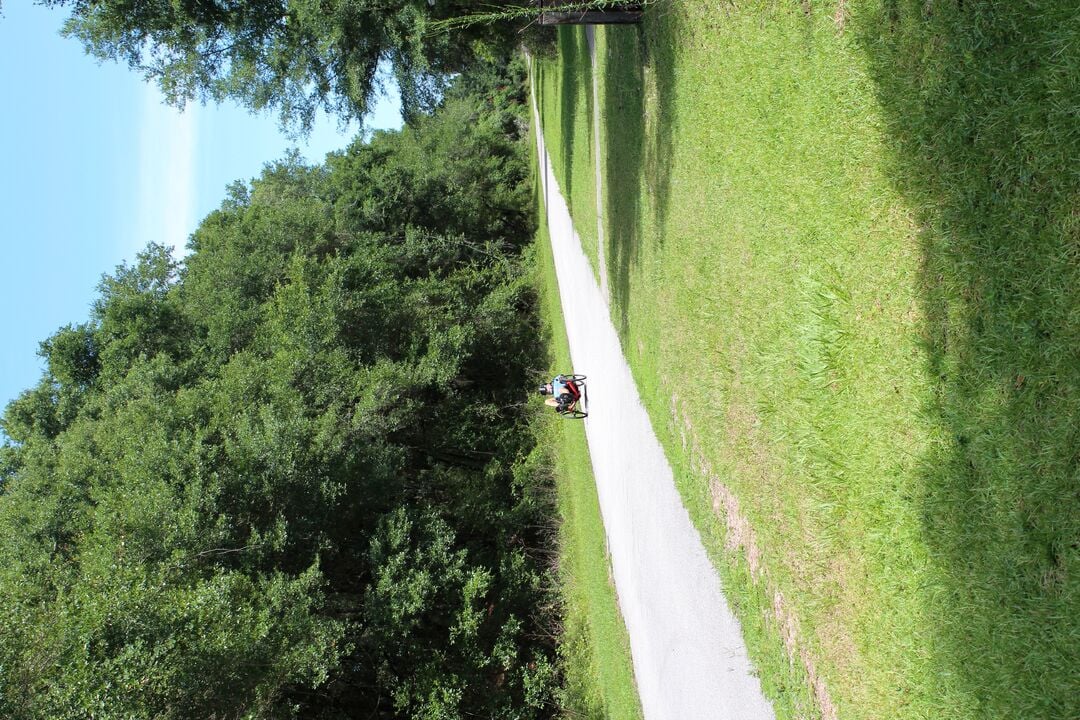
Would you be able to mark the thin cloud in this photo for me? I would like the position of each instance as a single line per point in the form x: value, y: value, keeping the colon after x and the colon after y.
x: 167, y: 169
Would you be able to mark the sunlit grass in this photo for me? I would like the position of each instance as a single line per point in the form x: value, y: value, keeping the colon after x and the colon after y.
x: 844, y: 267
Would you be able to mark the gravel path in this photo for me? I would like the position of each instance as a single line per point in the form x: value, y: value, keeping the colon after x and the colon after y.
x: 689, y: 658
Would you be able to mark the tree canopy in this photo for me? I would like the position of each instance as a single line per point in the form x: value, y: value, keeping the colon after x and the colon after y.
x: 295, y: 56
x: 294, y: 475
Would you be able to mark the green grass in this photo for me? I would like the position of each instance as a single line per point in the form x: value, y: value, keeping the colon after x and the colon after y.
x: 845, y: 266
x: 573, y: 131
x: 594, y: 646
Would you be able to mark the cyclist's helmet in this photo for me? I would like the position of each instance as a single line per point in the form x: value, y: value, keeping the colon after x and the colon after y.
x: 543, y: 390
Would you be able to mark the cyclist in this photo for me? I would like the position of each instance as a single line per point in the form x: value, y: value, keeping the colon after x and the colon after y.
x: 562, y: 391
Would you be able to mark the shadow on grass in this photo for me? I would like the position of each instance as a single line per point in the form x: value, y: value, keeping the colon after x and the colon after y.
x: 575, y: 79
x: 982, y: 108
x: 624, y: 139
x: 638, y: 152
x: 662, y: 56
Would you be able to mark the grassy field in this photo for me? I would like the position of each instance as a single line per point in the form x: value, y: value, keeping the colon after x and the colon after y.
x: 595, y: 647
x: 843, y: 246
x: 571, y: 132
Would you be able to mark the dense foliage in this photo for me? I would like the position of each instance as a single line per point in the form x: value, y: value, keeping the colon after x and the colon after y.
x: 297, y: 56
x: 293, y: 476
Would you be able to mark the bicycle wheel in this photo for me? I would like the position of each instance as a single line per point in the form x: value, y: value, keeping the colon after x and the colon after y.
x: 574, y: 378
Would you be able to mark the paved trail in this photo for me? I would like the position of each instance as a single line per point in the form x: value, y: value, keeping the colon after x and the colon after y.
x: 689, y: 658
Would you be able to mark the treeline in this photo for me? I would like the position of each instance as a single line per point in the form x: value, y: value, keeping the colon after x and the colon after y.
x: 301, y: 56
x: 293, y: 475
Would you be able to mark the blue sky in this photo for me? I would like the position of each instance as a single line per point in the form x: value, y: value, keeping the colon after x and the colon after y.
x: 94, y: 167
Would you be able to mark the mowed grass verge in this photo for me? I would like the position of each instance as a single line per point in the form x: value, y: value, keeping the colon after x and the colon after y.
x: 594, y: 645
x: 572, y: 133
x: 844, y: 259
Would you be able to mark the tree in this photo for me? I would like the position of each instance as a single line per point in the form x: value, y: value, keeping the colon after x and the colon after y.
x: 296, y: 56
x: 72, y: 355
x: 289, y: 478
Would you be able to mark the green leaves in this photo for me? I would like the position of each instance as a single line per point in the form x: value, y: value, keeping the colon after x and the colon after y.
x: 72, y: 355
x: 282, y: 479
x: 295, y: 56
